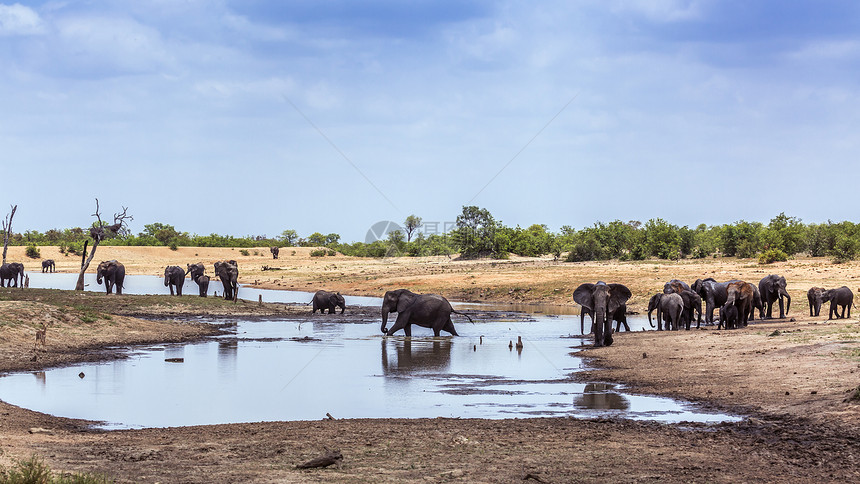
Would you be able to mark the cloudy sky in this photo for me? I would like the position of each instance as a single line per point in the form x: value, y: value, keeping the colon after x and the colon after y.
x: 249, y: 117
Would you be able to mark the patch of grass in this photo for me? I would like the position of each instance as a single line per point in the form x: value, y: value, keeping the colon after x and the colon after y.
x: 245, y: 252
x: 34, y: 471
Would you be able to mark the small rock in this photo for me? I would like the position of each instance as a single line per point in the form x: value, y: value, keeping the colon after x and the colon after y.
x: 644, y: 355
x: 81, y: 375
x: 787, y: 393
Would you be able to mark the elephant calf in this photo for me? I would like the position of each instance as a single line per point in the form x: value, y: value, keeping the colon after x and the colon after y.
x: 839, y: 297
x: 328, y: 300
x: 815, y: 296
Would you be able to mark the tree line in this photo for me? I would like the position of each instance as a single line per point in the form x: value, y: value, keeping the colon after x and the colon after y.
x: 478, y: 234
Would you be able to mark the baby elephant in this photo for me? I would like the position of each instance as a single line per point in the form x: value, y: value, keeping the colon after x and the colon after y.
x: 328, y: 300
x: 839, y: 297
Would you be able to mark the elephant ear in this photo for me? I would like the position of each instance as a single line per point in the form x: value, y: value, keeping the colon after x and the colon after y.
x: 583, y: 295
x: 618, y: 295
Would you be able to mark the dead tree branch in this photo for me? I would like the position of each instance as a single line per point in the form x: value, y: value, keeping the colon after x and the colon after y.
x: 7, y: 228
x: 98, y: 233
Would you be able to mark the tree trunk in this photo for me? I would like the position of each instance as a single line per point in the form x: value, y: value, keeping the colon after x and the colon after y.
x: 7, y: 227
x: 85, y: 263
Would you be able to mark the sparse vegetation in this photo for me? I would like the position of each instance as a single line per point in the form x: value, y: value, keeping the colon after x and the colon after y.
x: 34, y: 471
x: 33, y: 252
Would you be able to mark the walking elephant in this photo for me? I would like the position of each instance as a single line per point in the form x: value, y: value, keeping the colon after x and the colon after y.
x: 328, y: 300
x: 815, y: 296
x: 395, y: 302
x: 740, y: 295
x: 48, y: 265
x: 772, y: 288
x: 174, y: 276
x: 603, y: 300
x: 113, y: 273
x: 228, y: 272
x: 839, y: 297
x: 11, y: 272
x: 275, y: 251
x: 670, y: 308
x: 426, y: 310
x: 620, y: 317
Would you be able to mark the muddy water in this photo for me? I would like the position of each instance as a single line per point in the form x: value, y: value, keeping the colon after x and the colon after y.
x: 282, y: 370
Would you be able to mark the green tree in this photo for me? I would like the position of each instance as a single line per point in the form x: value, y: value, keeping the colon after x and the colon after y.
x: 289, y: 238
x: 411, y: 224
x: 475, y: 232
x: 315, y: 239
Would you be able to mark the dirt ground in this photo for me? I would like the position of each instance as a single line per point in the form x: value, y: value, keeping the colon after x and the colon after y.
x: 794, y: 381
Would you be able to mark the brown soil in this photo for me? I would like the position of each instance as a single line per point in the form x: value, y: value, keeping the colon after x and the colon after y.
x: 793, y: 379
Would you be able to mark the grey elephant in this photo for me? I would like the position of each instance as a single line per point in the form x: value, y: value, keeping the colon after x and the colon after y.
x: 426, y: 310
x: 728, y: 315
x: 604, y: 300
x: 275, y: 251
x: 713, y: 293
x: 839, y: 297
x: 772, y: 288
x: 739, y: 294
x: 669, y: 307
x: 692, y: 304
x: 11, y: 272
x: 328, y: 300
x: 48, y: 265
x: 228, y: 272
x: 113, y: 274
x: 199, y: 277
x: 174, y: 276
x: 815, y: 296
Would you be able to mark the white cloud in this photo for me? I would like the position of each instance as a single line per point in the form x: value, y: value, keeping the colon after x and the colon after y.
x: 19, y: 20
x: 661, y: 10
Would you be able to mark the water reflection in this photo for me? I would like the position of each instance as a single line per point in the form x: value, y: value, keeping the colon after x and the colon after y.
x: 40, y: 377
x: 415, y: 356
x: 601, y: 396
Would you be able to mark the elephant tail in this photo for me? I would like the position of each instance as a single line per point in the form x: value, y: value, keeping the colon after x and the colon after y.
x: 464, y: 314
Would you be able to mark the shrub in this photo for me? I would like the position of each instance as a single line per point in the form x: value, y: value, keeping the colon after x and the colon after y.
x: 700, y: 252
x: 35, y: 471
x: 772, y: 255
x: 844, y: 249
x: 33, y: 252
x: 331, y: 252
x: 76, y: 248
x: 173, y: 246
x: 244, y: 252
x: 318, y: 253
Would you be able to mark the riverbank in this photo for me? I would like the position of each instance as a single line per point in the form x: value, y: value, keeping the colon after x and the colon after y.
x: 794, y: 379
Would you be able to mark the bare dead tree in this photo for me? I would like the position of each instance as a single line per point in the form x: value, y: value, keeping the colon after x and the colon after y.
x: 98, y: 232
x: 7, y: 228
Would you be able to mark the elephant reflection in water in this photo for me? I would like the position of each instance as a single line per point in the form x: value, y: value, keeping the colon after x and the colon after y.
x: 599, y: 396
x: 412, y: 357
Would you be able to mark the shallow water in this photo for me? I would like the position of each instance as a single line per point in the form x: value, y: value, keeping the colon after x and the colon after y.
x: 282, y: 370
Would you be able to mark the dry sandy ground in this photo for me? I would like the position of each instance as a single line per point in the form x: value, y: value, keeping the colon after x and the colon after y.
x: 794, y: 380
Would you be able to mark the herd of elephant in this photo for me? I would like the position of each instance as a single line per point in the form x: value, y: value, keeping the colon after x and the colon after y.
x: 737, y: 301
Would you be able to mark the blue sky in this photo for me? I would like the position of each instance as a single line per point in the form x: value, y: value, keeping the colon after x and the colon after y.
x: 250, y: 117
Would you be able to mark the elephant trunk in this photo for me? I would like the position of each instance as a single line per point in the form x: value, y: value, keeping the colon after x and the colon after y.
x: 166, y: 280
x: 784, y: 293
x: 650, y: 310
x: 385, y: 312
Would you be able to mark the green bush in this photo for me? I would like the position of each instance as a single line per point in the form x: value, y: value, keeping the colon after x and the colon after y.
x: 772, y: 255
x: 34, y: 471
x: 331, y: 252
x: 844, y: 249
x: 173, y: 246
x: 244, y: 252
x: 76, y: 248
x: 33, y: 252
x: 318, y: 253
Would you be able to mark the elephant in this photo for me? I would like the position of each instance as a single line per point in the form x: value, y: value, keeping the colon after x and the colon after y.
x: 274, y: 250
x: 757, y: 303
x: 12, y: 272
x: 815, y: 296
x: 675, y: 285
x: 670, y: 308
x: 839, y: 297
x: 604, y: 300
x: 426, y: 310
x: 728, y: 313
x: 197, y: 275
x: 713, y: 293
x: 740, y: 295
x: 228, y: 272
x: 328, y: 300
x: 174, y: 276
x: 395, y: 302
x: 692, y: 303
x: 772, y: 287
x: 113, y: 273
x: 48, y: 265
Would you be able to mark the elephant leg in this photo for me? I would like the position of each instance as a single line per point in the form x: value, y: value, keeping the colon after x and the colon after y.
x: 709, y: 311
x: 315, y: 307
x: 170, y: 286
x: 401, y: 323
x: 449, y: 327
x: 607, y: 334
